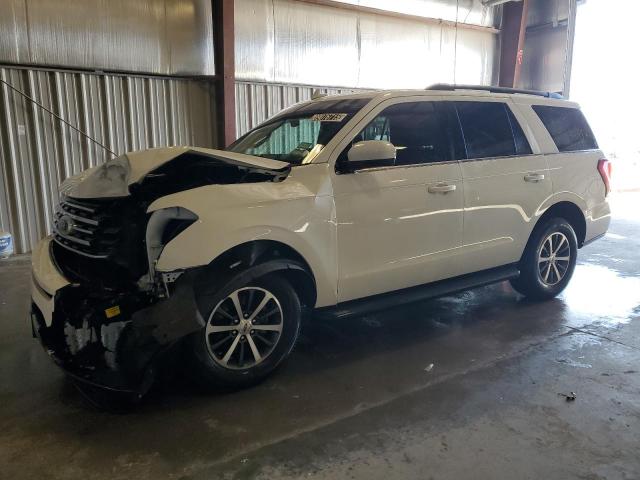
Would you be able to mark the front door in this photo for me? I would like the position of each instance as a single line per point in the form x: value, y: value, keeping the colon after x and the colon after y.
x: 400, y: 226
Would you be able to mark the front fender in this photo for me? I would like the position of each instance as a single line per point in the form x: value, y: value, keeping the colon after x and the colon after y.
x: 305, y: 224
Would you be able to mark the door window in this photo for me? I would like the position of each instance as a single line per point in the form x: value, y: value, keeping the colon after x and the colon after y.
x: 491, y: 130
x: 417, y: 130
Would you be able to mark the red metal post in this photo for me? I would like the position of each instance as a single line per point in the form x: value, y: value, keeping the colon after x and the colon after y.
x: 224, y: 46
x: 512, y: 38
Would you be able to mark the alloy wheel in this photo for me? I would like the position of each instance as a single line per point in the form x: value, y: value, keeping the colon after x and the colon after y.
x: 554, y: 258
x: 244, y: 328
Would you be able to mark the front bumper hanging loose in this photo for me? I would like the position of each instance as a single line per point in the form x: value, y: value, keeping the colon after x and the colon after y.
x: 108, y: 339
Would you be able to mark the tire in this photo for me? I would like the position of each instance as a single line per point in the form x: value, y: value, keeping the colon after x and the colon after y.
x: 540, y: 279
x: 231, y: 353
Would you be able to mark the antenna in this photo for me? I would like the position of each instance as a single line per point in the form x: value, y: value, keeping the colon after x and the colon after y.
x: 20, y: 92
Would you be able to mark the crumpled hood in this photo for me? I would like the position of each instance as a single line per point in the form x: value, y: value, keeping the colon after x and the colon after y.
x: 113, y: 178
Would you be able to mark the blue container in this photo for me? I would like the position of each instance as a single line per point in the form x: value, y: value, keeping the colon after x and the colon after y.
x: 6, y: 244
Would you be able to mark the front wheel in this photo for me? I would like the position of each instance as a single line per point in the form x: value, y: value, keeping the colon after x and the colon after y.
x: 548, y: 261
x: 247, y: 334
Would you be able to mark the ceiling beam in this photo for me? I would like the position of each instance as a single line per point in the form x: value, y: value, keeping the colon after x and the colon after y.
x: 512, y: 37
x: 224, y: 46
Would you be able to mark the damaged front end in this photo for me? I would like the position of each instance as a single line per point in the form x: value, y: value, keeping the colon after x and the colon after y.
x: 99, y: 307
x: 112, y: 337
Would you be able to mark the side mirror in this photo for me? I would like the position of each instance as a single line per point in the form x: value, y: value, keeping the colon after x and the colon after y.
x: 371, y: 153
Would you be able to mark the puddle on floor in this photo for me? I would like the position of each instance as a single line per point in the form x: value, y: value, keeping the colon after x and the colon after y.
x: 615, y: 236
x: 602, y: 294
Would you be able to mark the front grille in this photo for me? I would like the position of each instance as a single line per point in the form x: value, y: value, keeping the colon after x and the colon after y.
x: 100, y: 240
x: 89, y: 229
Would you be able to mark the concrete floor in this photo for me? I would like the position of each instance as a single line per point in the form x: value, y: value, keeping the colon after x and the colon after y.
x: 463, y: 387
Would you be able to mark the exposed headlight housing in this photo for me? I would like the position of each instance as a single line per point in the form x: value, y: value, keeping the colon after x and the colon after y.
x: 163, y: 226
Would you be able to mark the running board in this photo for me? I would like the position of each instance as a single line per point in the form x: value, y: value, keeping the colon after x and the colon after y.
x: 385, y: 301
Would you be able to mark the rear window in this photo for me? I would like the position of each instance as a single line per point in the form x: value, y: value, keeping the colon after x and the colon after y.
x: 491, y: 130
x: 568, y: 128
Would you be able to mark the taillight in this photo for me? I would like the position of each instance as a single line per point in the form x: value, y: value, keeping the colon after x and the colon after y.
x: 604, y: 168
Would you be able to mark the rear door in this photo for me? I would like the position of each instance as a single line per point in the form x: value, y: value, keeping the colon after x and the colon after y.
x: 505, y: 182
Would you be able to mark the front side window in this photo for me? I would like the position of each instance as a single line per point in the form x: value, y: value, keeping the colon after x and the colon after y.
x: 416, y: 129
x: 491, y: 130
x: 299, y: 135
x: 568, y: 128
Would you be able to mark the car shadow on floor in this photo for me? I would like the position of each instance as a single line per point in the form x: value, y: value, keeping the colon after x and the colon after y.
x: 480, y: 323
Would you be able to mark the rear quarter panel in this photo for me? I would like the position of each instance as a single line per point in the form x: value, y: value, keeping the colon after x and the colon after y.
x: 574, y: 175
x: 576, y: 179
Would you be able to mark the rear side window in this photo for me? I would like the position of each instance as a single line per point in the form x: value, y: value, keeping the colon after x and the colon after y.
x: 568, y: 128
x: 491, y: 130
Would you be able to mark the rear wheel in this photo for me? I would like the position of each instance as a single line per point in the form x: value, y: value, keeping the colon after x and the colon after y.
x: 248, y: 333
x: 549, y: 260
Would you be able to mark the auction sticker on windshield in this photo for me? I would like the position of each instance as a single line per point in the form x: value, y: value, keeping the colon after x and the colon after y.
x: 328, y: 117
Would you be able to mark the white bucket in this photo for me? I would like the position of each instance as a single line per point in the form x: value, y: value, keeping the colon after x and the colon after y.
x: 6, y: 244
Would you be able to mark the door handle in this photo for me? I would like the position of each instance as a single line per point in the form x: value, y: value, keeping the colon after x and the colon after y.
x: 534, y: 177
x: 441, y: 188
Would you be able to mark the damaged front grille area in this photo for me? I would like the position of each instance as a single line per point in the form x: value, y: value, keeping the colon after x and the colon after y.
x: 87, y: 228
x: 100, y: 241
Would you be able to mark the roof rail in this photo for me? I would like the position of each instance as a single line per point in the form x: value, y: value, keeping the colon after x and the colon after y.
x: 451, y: 88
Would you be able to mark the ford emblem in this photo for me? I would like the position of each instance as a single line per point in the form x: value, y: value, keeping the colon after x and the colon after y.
x: 66, y: 225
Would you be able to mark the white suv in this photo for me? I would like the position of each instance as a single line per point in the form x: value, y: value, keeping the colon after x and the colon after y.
x: 340, y: 204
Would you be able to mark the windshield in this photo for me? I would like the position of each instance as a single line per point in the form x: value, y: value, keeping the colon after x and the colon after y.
x: 299, y: 135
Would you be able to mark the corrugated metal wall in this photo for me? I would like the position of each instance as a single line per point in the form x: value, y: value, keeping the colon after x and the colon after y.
x: 122, y: 112
x: 256, y: 102
x: 164, y: 37
x: 285, y: 49
x: 291, y: 42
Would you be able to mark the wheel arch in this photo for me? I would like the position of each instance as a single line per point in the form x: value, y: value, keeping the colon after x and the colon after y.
x: 570, y: 212
x: 254, y: 259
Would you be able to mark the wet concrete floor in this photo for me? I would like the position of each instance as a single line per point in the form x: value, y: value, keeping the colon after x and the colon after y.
x: 466, y: 386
